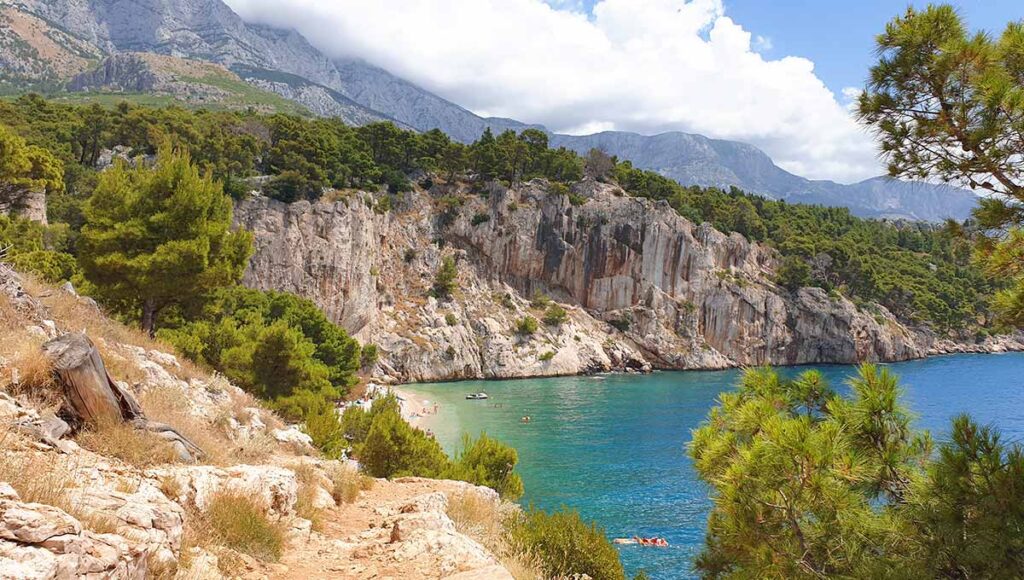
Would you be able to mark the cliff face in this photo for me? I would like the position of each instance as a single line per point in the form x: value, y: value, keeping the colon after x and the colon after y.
x: 642, y: 286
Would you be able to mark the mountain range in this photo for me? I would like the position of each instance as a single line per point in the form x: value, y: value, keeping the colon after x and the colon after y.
x: 44, y: 44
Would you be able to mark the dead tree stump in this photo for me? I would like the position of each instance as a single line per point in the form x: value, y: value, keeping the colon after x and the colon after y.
x: 92, y: 398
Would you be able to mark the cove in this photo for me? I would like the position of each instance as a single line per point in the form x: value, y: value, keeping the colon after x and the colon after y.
x: 613, y: 446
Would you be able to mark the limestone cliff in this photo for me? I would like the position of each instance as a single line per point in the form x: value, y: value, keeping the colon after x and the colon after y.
x: 644, y: 287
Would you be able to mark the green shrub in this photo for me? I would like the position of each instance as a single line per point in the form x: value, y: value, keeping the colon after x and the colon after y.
x: 409, y: 256
x: 556, y: 188
x: 324, y: 426
x: 576, y: 199
x: 369, y: 355
x: 507, y: 301
x: 794, y: 273
x: 555, y: 315
x: 526, y: 326
x: 383, y: 205
x: 356, y: 422
x: 239, y: 522
x: 450, y: 319
x: 547, y: 356
x: 540, y: 300
x: 393, y: 448
x: 566, y: 545
x: 481, y: 218
x: 488, y: 462
x: 41, y: 250
x: 445, y: 279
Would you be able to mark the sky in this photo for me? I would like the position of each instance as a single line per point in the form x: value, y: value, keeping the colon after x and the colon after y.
x: 780, y: 74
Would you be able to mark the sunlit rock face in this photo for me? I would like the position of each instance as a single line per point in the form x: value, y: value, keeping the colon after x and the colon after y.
x: 643, y: 287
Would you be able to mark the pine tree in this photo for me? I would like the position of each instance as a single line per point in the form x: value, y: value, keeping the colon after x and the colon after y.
x: 159, y: 236
x: 947, y: 104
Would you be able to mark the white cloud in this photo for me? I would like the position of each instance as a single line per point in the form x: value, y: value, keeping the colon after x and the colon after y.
x: 649, y: 67
x: 762, y: 43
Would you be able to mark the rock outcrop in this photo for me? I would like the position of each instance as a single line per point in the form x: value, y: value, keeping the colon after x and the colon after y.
x: 42, y: 541
x: 26, y: 202
x: 643, y: 287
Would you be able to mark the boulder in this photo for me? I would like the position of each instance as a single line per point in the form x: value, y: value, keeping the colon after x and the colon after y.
x: 276, y: 487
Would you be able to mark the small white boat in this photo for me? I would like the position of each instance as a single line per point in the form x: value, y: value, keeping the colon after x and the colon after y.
x: 476, y: 396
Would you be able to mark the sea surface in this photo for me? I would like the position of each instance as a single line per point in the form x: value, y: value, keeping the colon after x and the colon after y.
x: 613, y: 446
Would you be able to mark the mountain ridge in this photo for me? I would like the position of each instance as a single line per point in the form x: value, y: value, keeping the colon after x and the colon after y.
x: 360, y: 92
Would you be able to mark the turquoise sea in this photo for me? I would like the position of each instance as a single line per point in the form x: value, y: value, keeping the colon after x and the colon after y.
x: 613, y: 446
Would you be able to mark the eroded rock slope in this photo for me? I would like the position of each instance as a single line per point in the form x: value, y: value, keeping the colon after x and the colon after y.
x: 643, y: 287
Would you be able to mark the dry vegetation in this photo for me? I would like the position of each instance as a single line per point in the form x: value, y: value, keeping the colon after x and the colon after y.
x: 241, y: 523
x: 346, y: 483
x: 305, y: 502
x: 486, y: 522
x: 78, y: 315
x: 135, y: 447
x: 45, y: 479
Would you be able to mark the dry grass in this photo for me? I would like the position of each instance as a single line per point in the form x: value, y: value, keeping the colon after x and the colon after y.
x: 486, y: 522
x: 346, y: 483
x: 170, y: 405
x: 31, y: 376
x: 309, y: 486
x: 76, y: 315
x: 241, y: 523
x: 35, y: 476
x: 135, y: 447
x: 47, y: 479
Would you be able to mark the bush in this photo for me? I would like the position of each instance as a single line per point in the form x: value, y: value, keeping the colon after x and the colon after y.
x: 547, y: 356
x: 540, y: 300
x: 325, y: 428
x: 481, y: 218
x: 450, y: 319
x: 369, y: 355
x: 409, y: 256
x: 383, y: 205
x: 356, y: 422
x: 507, y: 301
x: 555, y: 315
x: 239, y: 522
x: 445, y: 280
x: 566, y: 545
x: 346, y: 483
x: 393, y: 448
x: 576, y: 199
x: 490, y: 463
x: 526, y: 326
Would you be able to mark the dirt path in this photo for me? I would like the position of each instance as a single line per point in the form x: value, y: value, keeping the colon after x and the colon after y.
x: 355, y: 540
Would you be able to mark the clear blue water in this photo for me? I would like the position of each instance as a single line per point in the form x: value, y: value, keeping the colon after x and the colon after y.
x: 613, y: 446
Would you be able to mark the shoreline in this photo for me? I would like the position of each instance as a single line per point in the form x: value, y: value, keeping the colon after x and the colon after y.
x: 413, y: 407
x: 396, y: 386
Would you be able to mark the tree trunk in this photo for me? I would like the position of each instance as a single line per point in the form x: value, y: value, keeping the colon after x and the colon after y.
x: 149, y: 317
x: 93, y: 398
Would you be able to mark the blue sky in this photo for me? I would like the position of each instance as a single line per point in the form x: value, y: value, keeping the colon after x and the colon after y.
x: 839, y: 36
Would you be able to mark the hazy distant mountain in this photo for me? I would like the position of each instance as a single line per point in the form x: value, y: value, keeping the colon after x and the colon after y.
x: 380, y: 90
x: 284, y: 62
x: 698, y: 160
